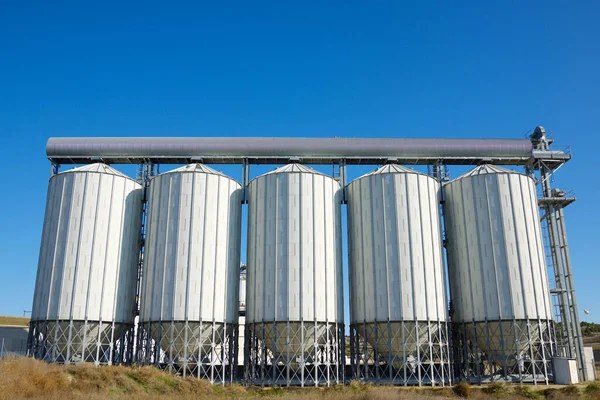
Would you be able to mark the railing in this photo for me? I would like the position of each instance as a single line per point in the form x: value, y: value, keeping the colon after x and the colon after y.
x: 5, y: 352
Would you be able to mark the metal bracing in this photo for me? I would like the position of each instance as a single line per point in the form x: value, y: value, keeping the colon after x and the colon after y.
x: 507, y: 350
x: 570, y: 341
x: 401, y: 353
x: 570, y: 290
x: 566, y: 329
x: 68, y: 341
x: 145, y: 172
x: 440, y: 171
x: 339, y: 174
x: 205, y: 350
x: 552, y: 202
x: 294, y: 353
x: 54, y: 168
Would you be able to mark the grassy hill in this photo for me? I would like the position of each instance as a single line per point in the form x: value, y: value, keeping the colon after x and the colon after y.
x: 16, y: 321
x: 32, y: 379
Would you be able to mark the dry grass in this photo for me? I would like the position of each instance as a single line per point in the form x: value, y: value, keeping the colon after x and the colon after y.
x: 27, y: 378
x: 587, y: 340
x: 14, y: 321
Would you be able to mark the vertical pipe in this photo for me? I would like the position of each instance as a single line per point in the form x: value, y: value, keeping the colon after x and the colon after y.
x: 245, y: 180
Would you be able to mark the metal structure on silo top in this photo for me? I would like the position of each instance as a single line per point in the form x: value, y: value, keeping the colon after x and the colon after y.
x: 498, y: 280
x: 294, y: 311
x: 189, y: 295
x: 398, y: 305
x: 84, y: 302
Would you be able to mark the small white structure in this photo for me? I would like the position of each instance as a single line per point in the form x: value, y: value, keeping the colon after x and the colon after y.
x: 84, y: 301
x: 242, y: 316
x: 294, y: 309
x: 590, y: 363
x: 189, y: 296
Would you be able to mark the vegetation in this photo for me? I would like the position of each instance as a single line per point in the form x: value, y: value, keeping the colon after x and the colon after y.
x: 527, y: 393
x: 496, y: 389
x: 462, y: 389
x: 592, y: 390
x: 590, y: 328
x: 32, y: 379
x: 16, y: 321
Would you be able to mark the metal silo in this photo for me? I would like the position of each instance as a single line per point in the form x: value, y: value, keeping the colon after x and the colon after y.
x: 398, y: 306
x: 294, y: 311
x: 498, y: 279
x: 84, y: 301
x: 189, y: 298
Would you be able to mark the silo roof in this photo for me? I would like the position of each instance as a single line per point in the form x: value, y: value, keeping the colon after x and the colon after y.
x: 99, y: 168
x: 392, y: 169
x: 197, y: 168
x: 295, y: 168
x: 487, y: 169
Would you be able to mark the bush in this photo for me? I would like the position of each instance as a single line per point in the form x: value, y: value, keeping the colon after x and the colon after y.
x: 571, y: 390
x: 526, y: 392
x: 462, y: 389
x: 496, y: 389
x: 591, y: 389
x: 357, y: 386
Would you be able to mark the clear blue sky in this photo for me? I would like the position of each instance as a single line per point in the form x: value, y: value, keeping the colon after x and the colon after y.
x: 388, y: 69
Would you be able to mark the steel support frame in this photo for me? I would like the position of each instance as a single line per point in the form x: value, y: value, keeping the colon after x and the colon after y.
x: 439, y: 170
x: 505, y: 351
x: 294, y: 353
x: 146, y: 171
x: 401, y: 353
x: 202, y: 349
x: 571, y: 340
x: 72, y: 341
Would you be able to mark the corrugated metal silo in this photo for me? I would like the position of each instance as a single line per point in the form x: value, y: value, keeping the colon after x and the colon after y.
x: 398, y: 306
x: 498, y: 278
x: 84, y: 301
x: 189, y: 298
x: 294, y: 310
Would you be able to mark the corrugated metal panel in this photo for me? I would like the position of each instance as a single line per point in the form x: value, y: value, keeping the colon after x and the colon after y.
x: 395, y: 251
x: 496, y: 260
x: 191, y: 268
x: 90, y: 244
x: 294, y: 248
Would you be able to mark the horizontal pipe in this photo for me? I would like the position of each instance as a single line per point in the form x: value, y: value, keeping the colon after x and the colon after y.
x: 251, y: 147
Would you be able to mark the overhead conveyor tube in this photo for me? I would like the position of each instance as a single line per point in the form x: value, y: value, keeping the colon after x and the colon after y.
x: 179, y: 147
